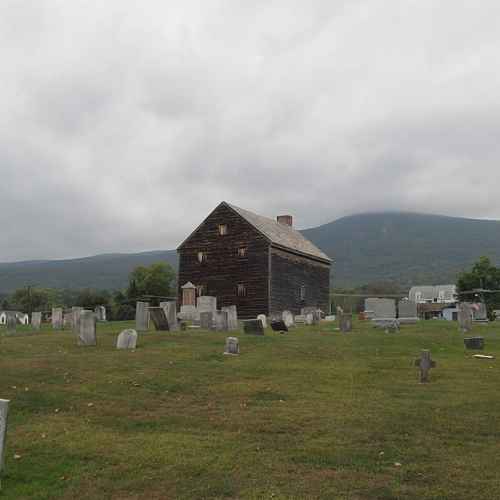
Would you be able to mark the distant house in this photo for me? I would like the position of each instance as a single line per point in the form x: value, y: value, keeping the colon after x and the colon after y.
x: 438, y: 294
x: 261, y: 265
x: 22, y: 318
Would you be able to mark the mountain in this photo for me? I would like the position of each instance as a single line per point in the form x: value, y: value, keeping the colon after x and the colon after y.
x: 407, y: 248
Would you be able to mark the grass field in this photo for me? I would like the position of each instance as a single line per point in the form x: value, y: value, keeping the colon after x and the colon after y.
x: 312, y: 414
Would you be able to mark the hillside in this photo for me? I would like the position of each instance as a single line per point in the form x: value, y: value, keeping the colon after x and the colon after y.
x: 402, y: 247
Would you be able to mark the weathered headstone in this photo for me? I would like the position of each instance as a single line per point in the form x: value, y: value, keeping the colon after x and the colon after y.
x: 287, y: 317
x: 87, y: 336
x: 68, y: 320
x: 100, y: 313
x: 464, y: 317
x: 345, y: 322
x: 220, y: 321
x: 474, y: 343
x: 36, y: 320
x: 57, y: 318
x: 11, y: 321
x: 142, y: 316
x: 232, y: 317
x: 380, y: 308
x: 170, y: 309
x: 206, y: 303
x: 232, y: 346
x: 127, y: 339
x: 425, y: 363
x: 279, y: 326
x: 188, y: 294
x: 314, y: 311
x: 4, y: 413
x: 263, y: 320
x: 253, y: 327
x: 76, y: 311
x: 387, y: 324
x: 157, y: 315
x: 206, y: 320
x: 309, y: 319
x: 407, y: 311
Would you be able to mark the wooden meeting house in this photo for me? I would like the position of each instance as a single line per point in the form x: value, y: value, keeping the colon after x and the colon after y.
x: 260, y: 265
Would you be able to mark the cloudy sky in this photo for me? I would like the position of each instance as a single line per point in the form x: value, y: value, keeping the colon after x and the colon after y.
x: 123, y: 123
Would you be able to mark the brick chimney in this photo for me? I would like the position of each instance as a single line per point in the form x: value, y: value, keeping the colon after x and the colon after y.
x: 286, y: 220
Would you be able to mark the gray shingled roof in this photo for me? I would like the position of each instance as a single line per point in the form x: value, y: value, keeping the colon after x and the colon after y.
x: 281, y: 235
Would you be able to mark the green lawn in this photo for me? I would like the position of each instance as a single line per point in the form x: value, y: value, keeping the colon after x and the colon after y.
x: 311, y: 414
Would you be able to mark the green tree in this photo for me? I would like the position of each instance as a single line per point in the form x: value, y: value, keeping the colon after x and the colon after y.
x: 157, y: 279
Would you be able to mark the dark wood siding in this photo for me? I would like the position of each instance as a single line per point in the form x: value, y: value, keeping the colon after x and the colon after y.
x: 290, y: 272
x: 224, y: 269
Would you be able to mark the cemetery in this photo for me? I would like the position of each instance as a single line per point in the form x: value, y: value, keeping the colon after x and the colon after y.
x: 335, y: 408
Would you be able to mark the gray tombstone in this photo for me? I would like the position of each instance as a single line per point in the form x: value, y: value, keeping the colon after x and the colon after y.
x: 345, y: 322
x: 232, y: 317
x: 11, y: 321
x: 300, y: 319
x: 263, y: 320
x: 87, y: 335
x: 380, y: 308
x: 253, y: 327
x: 76, y: 311
x: 220, y: 321
x: 206, y: 303
x: 309, y: 319
x: 206, y: 320
x: 314, y: 311
x: 142, y: 316
x: 425, y: 363
x: 36, y: 320
x: 57, y: 318
x: 100, y: 313
x: 287, y: 317
x: 68, y: 320
x: 127, y: 339
x: 407, y: 311
x: 464, y: 317
x: 159, y: 318
x: 170, y: 309
x: 4, y: 413
x: 232, y: 346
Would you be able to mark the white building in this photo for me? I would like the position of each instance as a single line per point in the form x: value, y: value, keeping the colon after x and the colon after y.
x: 438, y: 294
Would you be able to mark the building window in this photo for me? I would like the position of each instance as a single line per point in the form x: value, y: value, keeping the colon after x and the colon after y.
x: 222, y: 229
x: 201, y: 290
x: 242, y: 290
x: 302, y: 292
x: 242, y: 252
x: 202, y: 257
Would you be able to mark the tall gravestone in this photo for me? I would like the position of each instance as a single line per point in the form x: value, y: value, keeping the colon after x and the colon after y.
x: 57, y: 318
x: 11, y: 322
x: 206, y: 320
x: 263, y: 320
x: 159, y: 318
x: 464, y: 317
x: 232, y: 317
x: 36, y: 320
x: 87, y: 336
x: 170, y: 309
x: 188, y: 306
x: 287, y: 317
x: 4, y: 413
x: 100, y: 313
x: 76, y: 311
x: 68, y: 320
x: 142, y: 316
x: 220, y: 320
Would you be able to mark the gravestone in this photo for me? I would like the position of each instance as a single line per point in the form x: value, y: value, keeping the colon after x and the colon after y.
x: 425, y: 363
x: 279, y: 326
x: 262, y: 318
x: 299, y: 319
x: 76, y: 311
x: 170, y: 309
x: 232, y: 317
x: 253, y: 327
x: 100, y: 313
x: 87, y: 336
x: 206, y: 303
x: 287, y: 317
x: 220, y: 321
x: 189, y: 313
x: 206, y: 320
x: 345, y: 322
x: 11, y: 322
x: 310, y: 319
x: 464, y: 317
x: 127, y: 339
x: 232, y: 346
x: 407, y: 311
x: 188, y: 294
x: 480, y: 313
x: 4, y: 413
x: 474, y: 343
x: 68, y: 320
x: 387, y: 324
x: 332, y: 317
x: 142, y: 316
x: 314, y: 311
x: 57, y: 318
x: 157, y: 315
x: 380, y: 308
x: 36, y: 320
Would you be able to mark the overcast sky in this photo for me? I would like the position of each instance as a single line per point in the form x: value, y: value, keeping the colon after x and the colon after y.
x: 123, y: 123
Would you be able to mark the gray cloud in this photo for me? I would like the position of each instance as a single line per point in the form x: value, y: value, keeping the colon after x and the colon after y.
x: 123, y: 123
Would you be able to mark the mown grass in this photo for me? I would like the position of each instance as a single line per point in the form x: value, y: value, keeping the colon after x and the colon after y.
x: 312, y: 414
